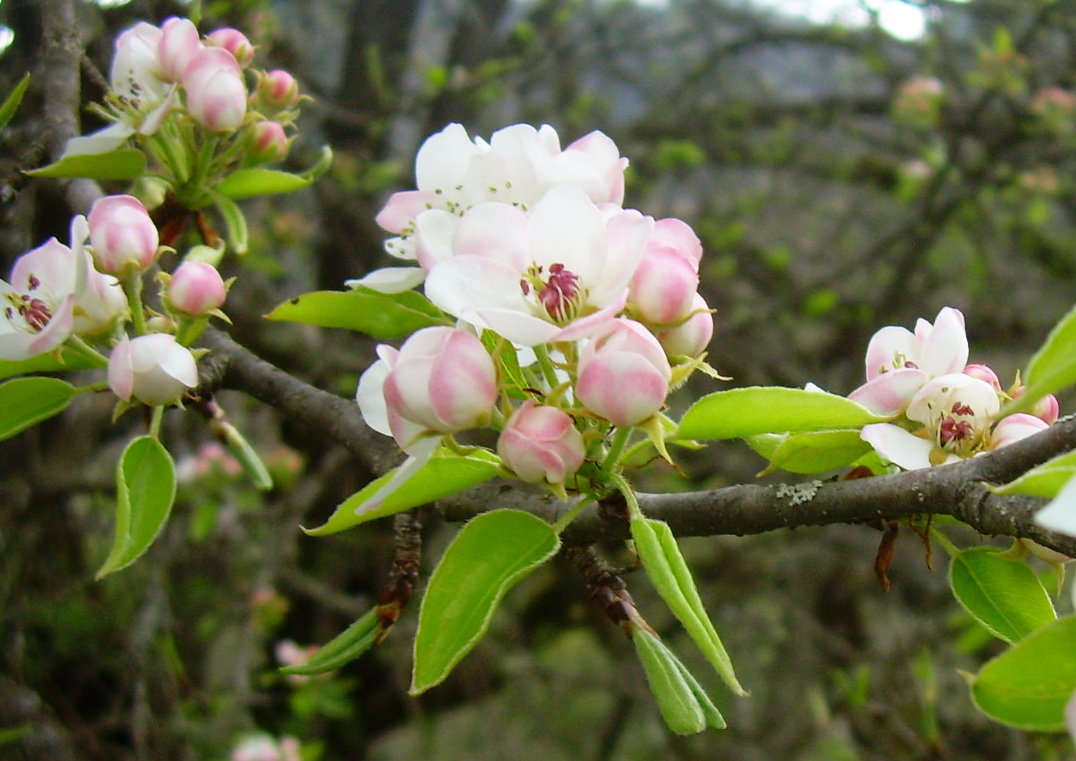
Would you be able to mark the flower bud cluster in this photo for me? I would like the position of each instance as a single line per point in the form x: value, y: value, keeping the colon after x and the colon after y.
x: 528, y: 247
x: 943, y: 408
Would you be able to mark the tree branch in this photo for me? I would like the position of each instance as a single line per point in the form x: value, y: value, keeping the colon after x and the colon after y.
x: 957, y: 490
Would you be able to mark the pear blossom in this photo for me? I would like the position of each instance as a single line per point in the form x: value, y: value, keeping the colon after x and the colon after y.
x: 623, y: 374
x: 196, y: 288
x: 900, y: 362
x: 179, y: 41
x: 99, y: 298
x: 690, y: 338
x: 441, y: 380
x: 123, y: 237
x: 664, y: 286
x: 557, y: 273
x: 216, y: 94
x: 541, y: 443
x: 153, y: 369
x: 38, y: 303
x: 235, y: 42
x: 517, y: 167
x: 1060, y: 514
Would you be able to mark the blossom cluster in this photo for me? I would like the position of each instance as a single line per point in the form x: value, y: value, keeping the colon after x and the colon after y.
x: 574, y: 315
x: 943, y: 408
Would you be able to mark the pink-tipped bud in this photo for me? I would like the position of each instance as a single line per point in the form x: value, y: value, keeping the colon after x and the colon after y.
x: 541, y: 444
x: 623, y: 374
x: 983, y: 373
x: 196, y: 288
x: 216, y: 95
x: 1047, y: 409
x: 663, y: 288
x: 278, y: 90
x: 235, y: 42
x: 179, y: 42
x: 692, y: 337
x: 123, y: 237
x: 153, y: 369
x: 268, y: 142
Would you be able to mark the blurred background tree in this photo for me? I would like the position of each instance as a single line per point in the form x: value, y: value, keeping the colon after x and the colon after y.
x: 845, y: 172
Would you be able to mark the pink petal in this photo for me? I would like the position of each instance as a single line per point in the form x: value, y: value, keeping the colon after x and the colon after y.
x: 402, y: 208
x: 888, y: 394
x: 946, y: 348
x: 1016, y: 427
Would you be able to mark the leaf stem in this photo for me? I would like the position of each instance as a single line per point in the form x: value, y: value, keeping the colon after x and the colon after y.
x: 549, y: 372
x: 573, y: 513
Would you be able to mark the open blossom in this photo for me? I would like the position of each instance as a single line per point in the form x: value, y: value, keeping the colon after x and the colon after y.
x: 517, y: 167
x: 541, y: 443
x: 557, y: 273
x: 440, y: 380
x: 38, y: 303
x: 152, y: 369
x: 623, y: 374
x: 900, y: 362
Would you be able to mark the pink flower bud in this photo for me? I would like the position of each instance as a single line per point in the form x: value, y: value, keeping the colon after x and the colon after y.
x: 278, y: 90
x: 153, y: 369
x: 1013, y: 428
x: 663, y: 287
x: 216, y: 95
x: 235, y: 42
x: 541, y: 444
x: 1047, y: 408
x: 983, y: 373
x: 268, y: 142
x: 123, y: 237
x: 691, y: 338
x: 623, y: 374
x: 442, y: 379
x: 196, y: 288
x: 179, y: 42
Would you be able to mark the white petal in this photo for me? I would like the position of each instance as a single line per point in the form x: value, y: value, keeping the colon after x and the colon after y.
x: 1060, y: 514
x: 104, y: 140
x: 371, y: 397
x: 420, y: 452
x: 567, y: 228
x: 898, y: 445
x: 466, y: 282
x: 945, y: 350
x: 390, y: 279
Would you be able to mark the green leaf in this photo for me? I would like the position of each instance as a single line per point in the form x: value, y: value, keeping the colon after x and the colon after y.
x: 46, y: 363
x: 657, y: 548
x: 742, y: 412
x: 677, y: 701
x: 382, y: 315
x: 11, y: 103
x: 248, y: 183
x: 1045, y: 480
x: 345, y: 646
x: 1054, y: 365
x: 1028, y: 685
x: 489, y: 555
x: 1002, y: 594
x: 812, y: 452
x: 145, y: 490
x: 445, y: 473
x: 235, y: 224
x: 25, y: 402
x: 122, y: 164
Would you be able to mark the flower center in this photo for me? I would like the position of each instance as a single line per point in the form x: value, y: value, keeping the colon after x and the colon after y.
x: 956, y: 432
x: 558, y: 294
x: 34, y: 311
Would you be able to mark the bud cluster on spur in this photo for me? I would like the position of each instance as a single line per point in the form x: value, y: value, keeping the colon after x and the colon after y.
x: 943, y: 409
x: 579, y: 314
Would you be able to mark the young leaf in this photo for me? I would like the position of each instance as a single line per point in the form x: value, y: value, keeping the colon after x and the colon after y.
x: 11, y: 103
x: 382, y: 315
x: 122, y: 164
x: 657, y: 548
x: 248, y: 183
x: 1002, y: 594
x: 345, y: 646
x: 742, y: 412
x: 235, y: 224
x: 46, y: 363
x: 25, y: 402
x: 812, y: 452
x: 489, y: 555
x: 680, y: 707
x: 1028, y: 685
x: 1054, y: 365
x: 1045, y: 480
x: 145, y: 490
x: 443, y: 474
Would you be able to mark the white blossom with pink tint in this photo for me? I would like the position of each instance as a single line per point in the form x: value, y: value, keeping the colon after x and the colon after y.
x: 38, y: 303
x: 153, y: 369
x: 664, y: 286
x: 623, y: 374
x: 900, y: 362
x: 235, y: 42
x: 690, y: 338
x: 123, y: 237
x: 179, y: 41
x: 1060, y: 514
x: 518, y: 166
x: 216, y: 94
x: 196, y: 288
x: 541, y: 443
x: 558, y: 273
x: 441, y: 380
x: 99, y: 298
